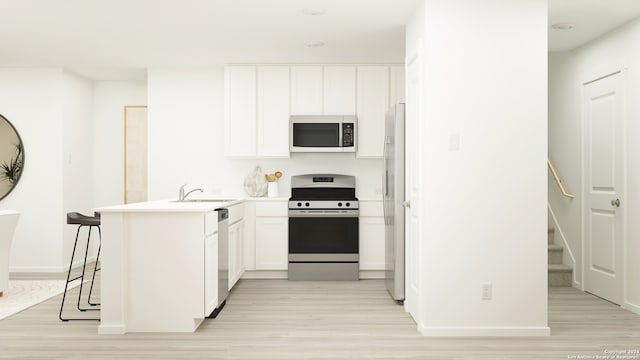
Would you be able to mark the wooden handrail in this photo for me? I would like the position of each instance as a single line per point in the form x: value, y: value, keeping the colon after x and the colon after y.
x: 558, y: 182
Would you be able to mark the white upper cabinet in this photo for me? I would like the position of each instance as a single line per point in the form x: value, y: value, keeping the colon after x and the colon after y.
x: 339, y: 90
x: 273, y: 111
x: 240, y: 111
x: 372, y: 105
x: 306, y: 90
x: 258, y: 101
x: 396, y: 85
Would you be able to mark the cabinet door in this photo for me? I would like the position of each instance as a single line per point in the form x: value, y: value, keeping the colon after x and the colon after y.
x: 372, y: 104
x: 236, y: 252
x: 272, y: 243
x: 273, y: 111
x: 210, y: 273
x: 306, y: 90
x: 240, y: 111
x: 339, y: 90
x: 233, y: 249
x: 371, y: 243
x: 240, y: 250
x: 396, y: 85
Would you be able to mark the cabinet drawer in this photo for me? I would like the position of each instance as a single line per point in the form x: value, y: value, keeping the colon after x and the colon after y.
x: 371, y: 208
x: 210, y: 223
x: 272, y: 208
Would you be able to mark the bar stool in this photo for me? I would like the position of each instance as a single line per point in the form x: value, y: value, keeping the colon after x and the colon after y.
x: 74, y: 218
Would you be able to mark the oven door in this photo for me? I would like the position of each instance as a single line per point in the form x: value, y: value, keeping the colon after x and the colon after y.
x: 323, y: 232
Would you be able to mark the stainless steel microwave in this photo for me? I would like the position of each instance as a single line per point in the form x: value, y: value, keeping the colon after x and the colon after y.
x: 322, y: 133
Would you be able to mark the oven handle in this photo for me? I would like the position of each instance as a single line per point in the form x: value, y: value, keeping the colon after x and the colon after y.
x: 324, y: 213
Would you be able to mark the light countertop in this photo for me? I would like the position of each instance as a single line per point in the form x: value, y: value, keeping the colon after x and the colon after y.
x: 168, y: 206
x: 195, y: 204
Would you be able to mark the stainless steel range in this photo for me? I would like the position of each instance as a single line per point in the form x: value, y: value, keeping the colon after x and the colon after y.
x: 323, y: 228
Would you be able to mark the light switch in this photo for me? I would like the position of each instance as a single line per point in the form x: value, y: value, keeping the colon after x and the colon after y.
x: 454, y: 142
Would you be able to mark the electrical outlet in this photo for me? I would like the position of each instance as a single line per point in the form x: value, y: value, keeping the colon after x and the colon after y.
x: 487, y: 291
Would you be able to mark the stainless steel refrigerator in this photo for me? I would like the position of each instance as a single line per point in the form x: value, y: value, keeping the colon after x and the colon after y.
x: 393, y: 199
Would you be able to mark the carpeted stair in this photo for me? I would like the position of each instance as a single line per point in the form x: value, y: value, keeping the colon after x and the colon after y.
x: 559, y: 274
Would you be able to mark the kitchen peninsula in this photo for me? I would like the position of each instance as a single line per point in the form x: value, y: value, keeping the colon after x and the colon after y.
x: 159, y: 265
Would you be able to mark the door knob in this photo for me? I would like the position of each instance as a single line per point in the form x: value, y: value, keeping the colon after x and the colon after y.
x: 615, y: 202
x: 406, y: 204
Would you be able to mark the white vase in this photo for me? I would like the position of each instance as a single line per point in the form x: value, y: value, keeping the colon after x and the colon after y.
x: 272, y: 189
x: 255, y: 184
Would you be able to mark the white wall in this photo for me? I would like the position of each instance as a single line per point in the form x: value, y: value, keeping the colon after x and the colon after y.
x: 568, y: 71
x: 51, y: 109
x: 186, y: 142
x: 77, y: 156
x: 484, y: 214
x: 32, y: 100
x: 565, y: 153
x: 109, y: 99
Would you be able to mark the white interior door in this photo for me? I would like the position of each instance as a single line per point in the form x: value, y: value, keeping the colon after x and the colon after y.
x: 604, y: 185
x: 412, y: 187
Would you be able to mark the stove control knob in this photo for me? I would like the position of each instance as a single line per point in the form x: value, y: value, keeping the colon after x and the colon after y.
x: 306, y: 204
x: 348, y: 204
x: 299, y: 204
x: 339, y: 204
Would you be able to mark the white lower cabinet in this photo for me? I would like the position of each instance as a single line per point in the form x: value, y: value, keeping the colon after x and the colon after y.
x: 272, y: 235
x: 210, y: 273
x: 371, y: 243
x: 371, y: 233
x: 272, y: 243
x: 236, y: 252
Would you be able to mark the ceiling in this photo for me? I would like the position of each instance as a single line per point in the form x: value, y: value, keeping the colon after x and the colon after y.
x: 591, y: 19
x: 120, y: 39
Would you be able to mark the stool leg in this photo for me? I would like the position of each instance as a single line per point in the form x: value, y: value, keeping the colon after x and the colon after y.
x: 64, y: 295
x: 84, y: 266
x: 95, y: 268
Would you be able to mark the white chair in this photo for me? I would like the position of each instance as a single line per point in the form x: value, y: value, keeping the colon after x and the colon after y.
x: 8, y: 221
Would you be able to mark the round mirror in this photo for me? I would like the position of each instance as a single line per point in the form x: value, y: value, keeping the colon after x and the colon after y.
x: 11, y: 157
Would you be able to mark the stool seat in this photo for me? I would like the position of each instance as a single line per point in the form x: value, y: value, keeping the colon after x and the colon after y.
x: 75, y: 218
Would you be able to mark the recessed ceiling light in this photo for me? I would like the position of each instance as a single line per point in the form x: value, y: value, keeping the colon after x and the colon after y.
x: 313, y: 11
x: 313, y: 44
x: 563, y: 26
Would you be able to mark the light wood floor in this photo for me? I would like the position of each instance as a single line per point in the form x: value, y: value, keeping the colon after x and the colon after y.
x: 277, y: 319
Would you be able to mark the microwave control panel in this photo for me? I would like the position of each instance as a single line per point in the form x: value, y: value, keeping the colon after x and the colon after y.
x: 347, y: 134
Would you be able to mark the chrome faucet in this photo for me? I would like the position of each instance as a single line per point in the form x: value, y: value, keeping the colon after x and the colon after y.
x: 182, y: 195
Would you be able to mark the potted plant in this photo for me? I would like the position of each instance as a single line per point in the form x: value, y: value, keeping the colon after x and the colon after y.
x: 11, y: 171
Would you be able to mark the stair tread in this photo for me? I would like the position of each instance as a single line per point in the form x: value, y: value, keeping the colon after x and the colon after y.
x: 554, y: 247
x: 559, y: 268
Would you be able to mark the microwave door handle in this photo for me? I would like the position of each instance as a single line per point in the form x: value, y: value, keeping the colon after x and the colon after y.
x: 340, y: 130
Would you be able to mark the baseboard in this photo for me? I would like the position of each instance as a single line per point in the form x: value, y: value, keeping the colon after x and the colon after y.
x: 460, y: 331
x: 632, y: 307
x: 112, y: 329
x: 265, y: 274
x: 371, y: 274
x: 282, y: 274
x: 45, y: 273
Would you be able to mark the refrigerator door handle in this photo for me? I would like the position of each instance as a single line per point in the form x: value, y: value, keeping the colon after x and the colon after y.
x: 385, y: 180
